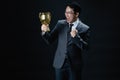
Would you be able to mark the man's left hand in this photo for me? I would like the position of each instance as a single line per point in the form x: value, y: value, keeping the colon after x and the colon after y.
x: 74, y: 32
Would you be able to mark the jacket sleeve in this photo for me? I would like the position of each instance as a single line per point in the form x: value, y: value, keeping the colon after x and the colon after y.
x: 82, y: 39
x: 50, y: 37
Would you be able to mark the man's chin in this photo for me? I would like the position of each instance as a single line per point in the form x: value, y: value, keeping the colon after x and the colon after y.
x: 68, y: 21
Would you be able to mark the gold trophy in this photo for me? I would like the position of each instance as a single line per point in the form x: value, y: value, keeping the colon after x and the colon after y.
x: 45, y: 18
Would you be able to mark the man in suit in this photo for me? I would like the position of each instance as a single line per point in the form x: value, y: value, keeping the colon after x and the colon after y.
x: 73, y: 37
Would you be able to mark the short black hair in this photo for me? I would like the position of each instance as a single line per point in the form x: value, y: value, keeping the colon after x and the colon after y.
x: 75, y: 6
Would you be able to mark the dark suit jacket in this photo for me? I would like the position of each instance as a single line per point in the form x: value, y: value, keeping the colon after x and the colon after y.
x: 78, y: 43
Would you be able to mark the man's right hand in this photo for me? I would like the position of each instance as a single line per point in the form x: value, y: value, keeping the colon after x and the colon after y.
x: 45, y: 28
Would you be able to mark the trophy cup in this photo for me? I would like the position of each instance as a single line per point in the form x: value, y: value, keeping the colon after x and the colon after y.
x: 45, y: 18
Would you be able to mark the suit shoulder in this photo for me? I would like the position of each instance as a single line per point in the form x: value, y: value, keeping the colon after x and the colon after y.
x: 62, y: 21
x: 60, y: 24
x: 84, y: 26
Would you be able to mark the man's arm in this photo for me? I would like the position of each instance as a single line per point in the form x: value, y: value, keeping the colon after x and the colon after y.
x: 49, y: 36
x: 45, y: 32
x: 82, y: 39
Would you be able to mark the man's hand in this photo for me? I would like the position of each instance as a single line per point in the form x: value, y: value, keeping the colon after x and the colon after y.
x: 45, y: 28
x: 74, y: 32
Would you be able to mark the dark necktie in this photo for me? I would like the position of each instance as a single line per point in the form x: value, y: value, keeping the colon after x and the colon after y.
x: 68, y: 34
x: 70, y: 27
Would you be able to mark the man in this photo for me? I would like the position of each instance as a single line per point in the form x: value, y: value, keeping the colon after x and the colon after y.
x: 73, y: 36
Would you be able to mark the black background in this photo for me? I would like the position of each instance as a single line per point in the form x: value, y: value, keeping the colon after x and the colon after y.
x: 29, y: 58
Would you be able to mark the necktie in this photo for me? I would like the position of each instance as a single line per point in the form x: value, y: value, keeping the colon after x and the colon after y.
x: 70, y: 27
x: 68, y: 34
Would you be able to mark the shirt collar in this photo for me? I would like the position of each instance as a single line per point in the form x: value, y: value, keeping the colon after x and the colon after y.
x: 75, y: 23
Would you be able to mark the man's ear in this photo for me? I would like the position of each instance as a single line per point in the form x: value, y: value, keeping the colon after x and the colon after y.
x: 77, y: 14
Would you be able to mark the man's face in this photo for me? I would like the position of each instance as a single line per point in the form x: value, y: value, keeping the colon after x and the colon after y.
x: 70, y: 15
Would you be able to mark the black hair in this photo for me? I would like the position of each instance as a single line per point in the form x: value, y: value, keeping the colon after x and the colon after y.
x: 75, y: 6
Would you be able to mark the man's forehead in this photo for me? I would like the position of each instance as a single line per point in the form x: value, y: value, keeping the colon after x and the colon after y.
x: 69, y: 9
